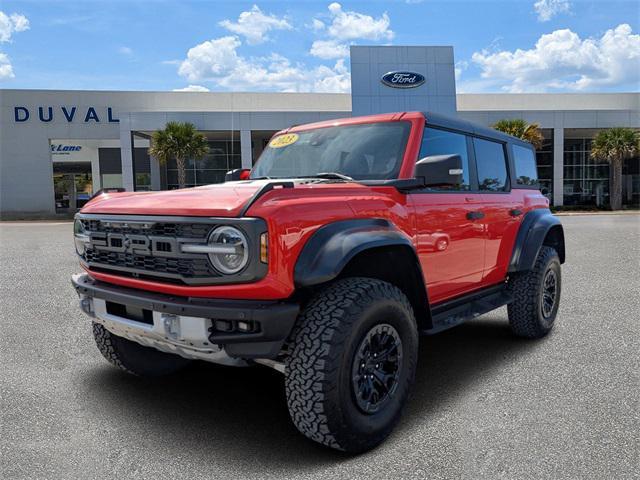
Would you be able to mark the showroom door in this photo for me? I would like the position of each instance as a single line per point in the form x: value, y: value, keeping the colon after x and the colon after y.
x: 72, y: 185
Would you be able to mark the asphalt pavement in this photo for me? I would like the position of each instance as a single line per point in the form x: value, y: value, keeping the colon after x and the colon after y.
x: 485, y: 404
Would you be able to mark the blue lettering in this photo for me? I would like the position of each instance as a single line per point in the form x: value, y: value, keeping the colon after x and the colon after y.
x: 20, y: 118
x: 41, y: 114
x: 110, y: 115
x: 91, y: 115
x: 67, y: 115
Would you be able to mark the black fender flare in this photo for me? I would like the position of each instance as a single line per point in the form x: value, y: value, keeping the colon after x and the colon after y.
x: 533, y: 231
x: 332, y: 246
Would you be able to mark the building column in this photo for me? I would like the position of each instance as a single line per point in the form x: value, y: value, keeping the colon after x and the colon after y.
x: 96, y: 183
x: 558, y: 166
x: 126, y: 155
x: 245, y: 149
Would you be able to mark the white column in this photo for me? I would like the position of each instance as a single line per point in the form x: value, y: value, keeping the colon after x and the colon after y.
x: 126, y: 155
x: 155, y: 173
x: 558, y: 166
x: 95, y: 172
x: 245, y: 149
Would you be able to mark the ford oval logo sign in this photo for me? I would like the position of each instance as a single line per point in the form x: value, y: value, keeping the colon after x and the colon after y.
x: 402, y: 79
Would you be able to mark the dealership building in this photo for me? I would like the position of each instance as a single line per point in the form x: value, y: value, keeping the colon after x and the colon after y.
x: 59, y: 147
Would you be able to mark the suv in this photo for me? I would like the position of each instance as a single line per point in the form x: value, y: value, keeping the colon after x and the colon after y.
x: 346, y: 241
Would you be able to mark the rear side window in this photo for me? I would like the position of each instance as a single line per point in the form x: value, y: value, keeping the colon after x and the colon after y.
x: 525, y: 165
x: 492, y: 165
x: 442, y: 142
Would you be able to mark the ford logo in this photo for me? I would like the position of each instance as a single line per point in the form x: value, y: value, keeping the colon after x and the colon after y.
x: 402, y: 79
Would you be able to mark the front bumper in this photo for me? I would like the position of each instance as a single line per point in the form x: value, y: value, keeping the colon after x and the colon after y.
x: 208, y: 329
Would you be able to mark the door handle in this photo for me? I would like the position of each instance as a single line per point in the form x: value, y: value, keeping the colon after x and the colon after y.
x: 475, y: 215
x: 516, y: 212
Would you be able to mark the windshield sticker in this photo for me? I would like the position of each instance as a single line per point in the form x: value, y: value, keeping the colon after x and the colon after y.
x: 284, y: 140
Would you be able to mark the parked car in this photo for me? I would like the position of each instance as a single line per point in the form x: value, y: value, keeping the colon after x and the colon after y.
x: 346, y: 241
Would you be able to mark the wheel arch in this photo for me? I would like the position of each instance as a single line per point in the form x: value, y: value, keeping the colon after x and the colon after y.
x: 539, y: 227
x: 372, y: 248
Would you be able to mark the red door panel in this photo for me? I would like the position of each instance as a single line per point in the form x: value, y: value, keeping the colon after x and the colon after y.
x: 450, y: 246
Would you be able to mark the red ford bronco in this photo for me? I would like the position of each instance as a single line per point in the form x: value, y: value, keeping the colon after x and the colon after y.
x: 346, y: 241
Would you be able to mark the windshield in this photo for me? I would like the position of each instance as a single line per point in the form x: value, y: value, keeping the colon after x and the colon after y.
x: 371, y: 151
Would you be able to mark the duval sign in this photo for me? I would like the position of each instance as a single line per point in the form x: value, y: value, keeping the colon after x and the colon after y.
x: 402, y: 79
x: 69, y: 114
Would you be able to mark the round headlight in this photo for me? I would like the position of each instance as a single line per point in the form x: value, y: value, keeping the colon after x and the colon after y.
x: 231, y: 249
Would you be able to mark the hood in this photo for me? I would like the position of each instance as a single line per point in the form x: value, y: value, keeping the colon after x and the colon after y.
x: 219, y: 200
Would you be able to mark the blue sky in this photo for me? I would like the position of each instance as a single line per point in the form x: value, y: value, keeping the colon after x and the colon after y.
x: 500, y: 46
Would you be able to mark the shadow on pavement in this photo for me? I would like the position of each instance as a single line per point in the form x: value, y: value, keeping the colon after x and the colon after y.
x: 227, y: 410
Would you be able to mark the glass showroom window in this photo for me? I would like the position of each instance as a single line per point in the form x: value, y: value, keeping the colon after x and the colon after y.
x: 544, y: 160
x: 586, y: 181
x: 224, y: 155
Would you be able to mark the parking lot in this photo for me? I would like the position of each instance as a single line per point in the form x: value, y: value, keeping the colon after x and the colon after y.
x: 485, y: 404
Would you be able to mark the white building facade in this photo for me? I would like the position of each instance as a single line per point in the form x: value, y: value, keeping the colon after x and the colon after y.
x: 59, y: 147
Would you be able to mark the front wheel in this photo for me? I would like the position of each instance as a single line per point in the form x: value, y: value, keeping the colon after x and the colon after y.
x: 536, y: 296
x: 352, y: 364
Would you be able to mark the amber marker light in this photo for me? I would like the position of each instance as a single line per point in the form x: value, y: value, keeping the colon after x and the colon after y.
x: 264, y: 248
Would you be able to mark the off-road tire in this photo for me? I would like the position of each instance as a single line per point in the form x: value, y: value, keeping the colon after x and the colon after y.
x: 134, y: 358
x: 526, y: 316
x: 323, y: 345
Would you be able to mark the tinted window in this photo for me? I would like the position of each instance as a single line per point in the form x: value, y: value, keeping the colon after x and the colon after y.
x: 441, y: 142
x: 492, y: 165
x: 525, y: 165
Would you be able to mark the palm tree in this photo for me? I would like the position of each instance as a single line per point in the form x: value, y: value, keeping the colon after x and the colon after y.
x: 179, y: 140
x: 517, y: 127
x: 615, y: 145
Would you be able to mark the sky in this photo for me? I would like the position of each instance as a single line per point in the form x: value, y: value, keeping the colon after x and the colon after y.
x: 303, y: 46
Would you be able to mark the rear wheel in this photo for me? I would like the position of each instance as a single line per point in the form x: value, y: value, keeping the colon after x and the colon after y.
x: 536, y: 296
x: 134, y: 358
x: 352, y: 364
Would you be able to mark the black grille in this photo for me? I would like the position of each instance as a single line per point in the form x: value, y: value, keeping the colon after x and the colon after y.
x: 164, y: 229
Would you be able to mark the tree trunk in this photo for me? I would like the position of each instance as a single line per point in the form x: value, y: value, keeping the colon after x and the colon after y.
x: 182, y: 173
x: 616, y: 185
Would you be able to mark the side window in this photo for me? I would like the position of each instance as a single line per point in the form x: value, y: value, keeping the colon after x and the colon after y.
x: 492, y: 165
x: 525, y: 165
x: 442, y: 142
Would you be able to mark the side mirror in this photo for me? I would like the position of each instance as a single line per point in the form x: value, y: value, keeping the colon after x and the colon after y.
x: 544, y: 191
x: 440, y: 170
x: 237, y: 174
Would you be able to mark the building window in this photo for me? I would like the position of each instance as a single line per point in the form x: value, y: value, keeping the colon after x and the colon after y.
x: 224, y: 155
x: 586, y: 181
x: 544, y: 160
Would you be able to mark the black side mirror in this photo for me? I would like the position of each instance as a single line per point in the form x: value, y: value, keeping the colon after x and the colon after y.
x: 237, y: 174
x: 440, y: 170
x: 544, y: 191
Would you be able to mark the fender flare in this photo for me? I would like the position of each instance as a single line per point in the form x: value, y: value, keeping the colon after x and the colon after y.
x: 533, y: 231
x: 332, y: 246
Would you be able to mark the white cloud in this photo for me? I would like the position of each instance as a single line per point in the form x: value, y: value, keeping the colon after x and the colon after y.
x: 9, y: 24
x: 348, y: 25
x: 317, y: 25
x: 328, y: 49
x: 460, y: 67
x: 547, y: 9
x: 218, y: 61
x: 6, y: 70
x: 125, y: 51
x: 192, y: 88
x: 254, y: 25
x: 562, y: 60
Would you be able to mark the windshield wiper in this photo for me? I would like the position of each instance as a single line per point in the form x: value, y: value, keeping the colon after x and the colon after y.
x: 335, y: 175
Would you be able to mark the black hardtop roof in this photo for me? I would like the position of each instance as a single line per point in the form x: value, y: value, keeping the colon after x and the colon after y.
x: 453, y: 123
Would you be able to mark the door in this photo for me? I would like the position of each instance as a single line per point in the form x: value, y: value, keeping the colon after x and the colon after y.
x: 449, y: 236
x: 502, y: 207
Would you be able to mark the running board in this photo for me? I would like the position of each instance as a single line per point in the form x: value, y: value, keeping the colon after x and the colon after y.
x: 454, y: 312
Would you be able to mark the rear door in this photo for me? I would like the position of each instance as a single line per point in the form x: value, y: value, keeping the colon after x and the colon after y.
x: 502, y: 207
x: 450, y: 241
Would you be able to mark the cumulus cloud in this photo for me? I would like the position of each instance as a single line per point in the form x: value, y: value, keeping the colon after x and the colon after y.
x: 547, y: 9
x: 255, y: 24
x: 192, y: 88
x: 348, y: 25
x: 10, y: 24
x: 6, y: 70
x: 562, y: 60
x: 218, y: 61
x: 125, y: 51
x: 328, y: 49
